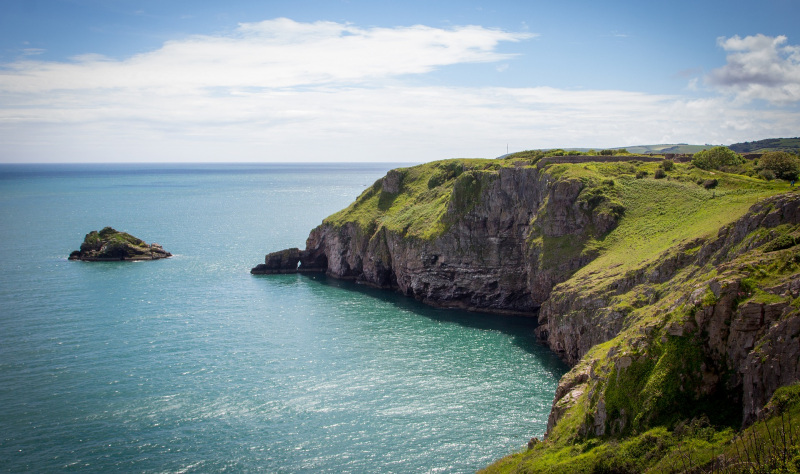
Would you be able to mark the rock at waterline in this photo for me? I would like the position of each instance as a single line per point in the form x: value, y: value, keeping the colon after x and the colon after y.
x: 112, y: 245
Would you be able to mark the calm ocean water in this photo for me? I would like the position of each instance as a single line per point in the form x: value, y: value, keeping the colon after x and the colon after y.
x: 191, y: 364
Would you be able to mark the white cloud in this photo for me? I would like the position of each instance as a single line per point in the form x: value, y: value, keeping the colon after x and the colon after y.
x: 286, y: 91
x: 273, y: 53
x: 759, y: 67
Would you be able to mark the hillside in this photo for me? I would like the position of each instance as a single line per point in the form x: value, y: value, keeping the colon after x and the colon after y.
x: 675, y: 300
x: 679, y: 148
x: 676, y: 148
x: 769, y: 144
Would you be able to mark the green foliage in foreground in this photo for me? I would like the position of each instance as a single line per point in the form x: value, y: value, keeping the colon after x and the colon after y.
x: 769, y: 446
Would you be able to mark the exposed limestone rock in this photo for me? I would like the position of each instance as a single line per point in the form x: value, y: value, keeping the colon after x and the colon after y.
x: 392, y: 182
x: 112, y: 245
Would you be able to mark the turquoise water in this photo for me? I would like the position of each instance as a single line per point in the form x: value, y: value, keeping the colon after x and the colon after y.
x: 191, y: 364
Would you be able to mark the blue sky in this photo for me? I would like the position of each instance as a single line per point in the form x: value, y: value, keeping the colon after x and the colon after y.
x: 120, y: 80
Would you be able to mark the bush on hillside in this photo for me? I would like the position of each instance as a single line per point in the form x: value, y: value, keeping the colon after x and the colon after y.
x: 768, y: 175
x: 717, y: 157
x: 784, y: 165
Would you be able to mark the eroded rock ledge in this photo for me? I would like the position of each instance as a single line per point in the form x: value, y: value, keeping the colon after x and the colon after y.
x: 112, y: 245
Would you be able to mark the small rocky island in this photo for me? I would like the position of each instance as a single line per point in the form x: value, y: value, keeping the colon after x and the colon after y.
x: 112, y: 245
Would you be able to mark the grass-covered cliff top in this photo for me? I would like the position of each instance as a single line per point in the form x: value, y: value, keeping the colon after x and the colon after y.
x: 413, y: 201
x: 685, y: 204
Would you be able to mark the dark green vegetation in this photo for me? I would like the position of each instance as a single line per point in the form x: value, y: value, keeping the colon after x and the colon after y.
x: 779, y: 164
x: 769, y: 144
x: 110, y: 244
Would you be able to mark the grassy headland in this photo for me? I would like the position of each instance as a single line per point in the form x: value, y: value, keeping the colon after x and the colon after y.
x: 651, y: 392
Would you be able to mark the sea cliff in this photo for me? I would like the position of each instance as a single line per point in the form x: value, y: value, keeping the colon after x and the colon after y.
x: 673, y: 299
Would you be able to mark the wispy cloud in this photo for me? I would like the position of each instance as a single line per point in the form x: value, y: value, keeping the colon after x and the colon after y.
x: 270, y: 54
x: 759, y: 67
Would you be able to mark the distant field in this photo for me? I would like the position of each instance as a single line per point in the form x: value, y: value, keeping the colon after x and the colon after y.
x: 669, y: 148
x: 760, y: 146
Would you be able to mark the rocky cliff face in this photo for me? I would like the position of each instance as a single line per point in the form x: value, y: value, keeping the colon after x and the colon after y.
x: 490, y: 258
x: 729, y: 302
x: 708, y: 319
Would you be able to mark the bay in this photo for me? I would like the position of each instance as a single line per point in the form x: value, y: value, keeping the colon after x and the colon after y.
x: 191, y: 364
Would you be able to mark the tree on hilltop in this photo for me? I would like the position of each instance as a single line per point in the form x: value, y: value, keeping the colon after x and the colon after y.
x: 717, y: 157
x: 784, y: 165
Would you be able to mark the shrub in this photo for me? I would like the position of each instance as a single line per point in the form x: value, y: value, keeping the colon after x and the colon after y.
x: 668, y: 165
x: 779, y: 243
x: 437, y: 179
x: 784, y: 165
x: 710, y: 183
x: 641, y: 174
x: 660, y: 173
x: 766, y: 174
x: 606, y: 152
x: 717, y: 157
x: 445, y: 171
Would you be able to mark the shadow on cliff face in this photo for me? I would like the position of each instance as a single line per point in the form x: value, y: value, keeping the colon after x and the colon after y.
x: 519, y: 328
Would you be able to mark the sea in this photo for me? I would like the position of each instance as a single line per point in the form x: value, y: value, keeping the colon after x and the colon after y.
x: 191, y: 364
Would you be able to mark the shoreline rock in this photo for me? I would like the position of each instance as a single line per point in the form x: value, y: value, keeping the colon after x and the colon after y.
x: 110, y: 245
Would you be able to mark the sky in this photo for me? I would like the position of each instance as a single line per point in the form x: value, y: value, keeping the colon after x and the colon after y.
x: 388, y: 81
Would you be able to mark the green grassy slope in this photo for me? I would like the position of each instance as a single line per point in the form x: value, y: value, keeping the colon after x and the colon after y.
x: 662, y: 213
